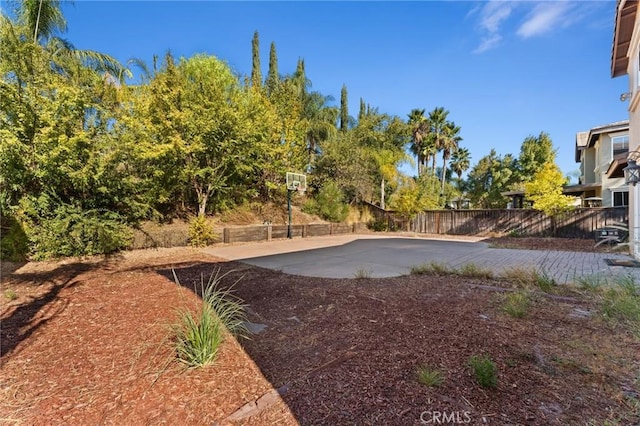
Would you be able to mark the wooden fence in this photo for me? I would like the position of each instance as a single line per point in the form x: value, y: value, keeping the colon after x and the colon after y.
x: 268, y: 232
x: 176, y: 238
x: 579, y: 223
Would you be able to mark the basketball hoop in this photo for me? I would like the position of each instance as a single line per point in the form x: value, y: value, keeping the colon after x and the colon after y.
x: 300, y: 189
x: 296, y: 182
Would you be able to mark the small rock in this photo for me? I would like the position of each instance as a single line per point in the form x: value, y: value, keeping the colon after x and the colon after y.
x: 254, y: 328
x: 295, y: 318
x: 484, y: 317
x: 580, y: 313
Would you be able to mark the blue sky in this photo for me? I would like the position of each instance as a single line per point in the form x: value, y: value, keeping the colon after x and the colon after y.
x: 504, y: 69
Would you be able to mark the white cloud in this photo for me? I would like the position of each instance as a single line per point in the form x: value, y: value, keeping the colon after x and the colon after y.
x: 492, y: 15
x: 495, y: 19
x: 488, y: 42
x: 545, y: 17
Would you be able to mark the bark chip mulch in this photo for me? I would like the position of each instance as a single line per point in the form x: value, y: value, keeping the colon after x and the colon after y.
x: 89, y: 342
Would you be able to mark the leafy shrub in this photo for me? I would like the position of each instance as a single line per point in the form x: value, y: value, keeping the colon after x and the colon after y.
x: 200, y: 334
x: 378, y: 225
x: 484, y: 370
x: 14, y: 244
x: 201, y: 232
x: 359, y: 215
x: 310, y: 206
x: 429, y: 376
x: 70, y: 231
x: 330, y: 203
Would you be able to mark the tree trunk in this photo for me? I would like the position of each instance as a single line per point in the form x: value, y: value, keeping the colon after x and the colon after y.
x: 444, y: 173
x: 203, y: 198
x: 382, y: 206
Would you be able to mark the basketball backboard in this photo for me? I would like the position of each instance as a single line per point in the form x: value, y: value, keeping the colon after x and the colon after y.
x: 296, y: 182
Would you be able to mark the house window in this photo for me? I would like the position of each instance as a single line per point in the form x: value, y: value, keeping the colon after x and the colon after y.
x: 620, y: 144
x: 620, y: 198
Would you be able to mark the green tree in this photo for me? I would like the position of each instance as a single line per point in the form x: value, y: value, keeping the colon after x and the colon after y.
x: 492, y: 175
x: 56, y: 127
x: 219, y: 137
x: 535, y: 152
x: 344, y: 109
x: 409, y: 199
x: 256, y: 73
x: 273, y: 78
x: 331, y: 205
x: 385, y: 137
x: 545, y: 191
x: 349, y: 164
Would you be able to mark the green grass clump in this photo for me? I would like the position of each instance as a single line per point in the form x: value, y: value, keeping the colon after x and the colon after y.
x: 592, y: 283
x: 516, y: 304
x: 472, y: 270
x: 199, y: 334
x: 528, y: 278
x: 362, y: 273
x: 484, y: 370
x: 544, y: 281
x: 518, y: 276
x: 10, y: 295
x: 432, y: 268
x: 429, y: 376
x: 621, y: 301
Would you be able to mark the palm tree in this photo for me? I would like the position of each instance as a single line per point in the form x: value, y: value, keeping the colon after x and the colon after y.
x: 449, y: 144
x: 460, y: 162
x: 321, y: 121
x: 437, y: 125
x: 43, y: 19
x: 419, y: 126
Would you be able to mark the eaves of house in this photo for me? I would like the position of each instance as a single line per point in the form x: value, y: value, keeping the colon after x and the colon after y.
x: 625, y: 20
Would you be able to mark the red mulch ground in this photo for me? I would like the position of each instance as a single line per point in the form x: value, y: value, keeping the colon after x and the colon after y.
x: 88, y: 342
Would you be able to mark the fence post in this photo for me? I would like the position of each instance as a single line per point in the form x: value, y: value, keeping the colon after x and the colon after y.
x: 225, y: 235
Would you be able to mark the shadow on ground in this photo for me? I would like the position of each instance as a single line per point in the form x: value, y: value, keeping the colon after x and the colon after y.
x: 20, y: 321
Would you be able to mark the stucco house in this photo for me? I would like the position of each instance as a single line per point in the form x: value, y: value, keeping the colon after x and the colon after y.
x: 625, y: 60
x: 602, y: 154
